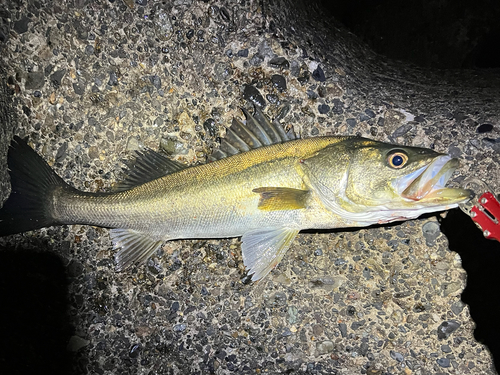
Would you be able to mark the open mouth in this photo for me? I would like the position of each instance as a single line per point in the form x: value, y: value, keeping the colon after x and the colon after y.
x: 427, y: 184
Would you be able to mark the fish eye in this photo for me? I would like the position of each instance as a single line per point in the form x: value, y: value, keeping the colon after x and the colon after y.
x: 397, y: 159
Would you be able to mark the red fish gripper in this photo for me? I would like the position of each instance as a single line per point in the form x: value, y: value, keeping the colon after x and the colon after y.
x: 486, y: 214
x: 484, y: 208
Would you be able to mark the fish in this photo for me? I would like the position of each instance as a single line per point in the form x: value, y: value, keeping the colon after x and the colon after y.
x: 262, y: 184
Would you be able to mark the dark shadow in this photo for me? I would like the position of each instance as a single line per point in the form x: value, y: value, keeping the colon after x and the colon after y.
x: 34, y: 321
x: 486, y: 54
x: 481, y: 261
x: 356, y: 229
x: 426, y: 33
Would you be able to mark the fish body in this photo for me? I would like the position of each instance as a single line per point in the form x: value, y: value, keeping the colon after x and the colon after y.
x: 212, y: 200
x: 264, y: 191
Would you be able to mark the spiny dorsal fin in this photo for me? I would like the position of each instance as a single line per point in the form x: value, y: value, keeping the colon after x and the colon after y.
x: 281, y: 198
x: 148, y: 165
x: 257, y: 132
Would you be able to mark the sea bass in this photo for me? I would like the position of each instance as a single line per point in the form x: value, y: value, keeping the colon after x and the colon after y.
x: 263, y: 184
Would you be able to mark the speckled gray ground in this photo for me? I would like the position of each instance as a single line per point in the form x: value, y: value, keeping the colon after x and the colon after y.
x: 90, y: 80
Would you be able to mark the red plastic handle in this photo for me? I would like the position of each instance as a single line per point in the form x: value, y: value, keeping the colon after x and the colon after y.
x: 486, y: 213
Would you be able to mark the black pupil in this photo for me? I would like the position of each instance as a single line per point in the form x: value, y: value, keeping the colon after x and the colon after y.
x: 397, y: 160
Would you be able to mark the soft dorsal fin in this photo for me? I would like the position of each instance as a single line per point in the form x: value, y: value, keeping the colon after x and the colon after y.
x: 257, y: 131
x: 148, y: 165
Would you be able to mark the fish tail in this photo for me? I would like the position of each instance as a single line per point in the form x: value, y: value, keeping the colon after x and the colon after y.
x: 33, y: 182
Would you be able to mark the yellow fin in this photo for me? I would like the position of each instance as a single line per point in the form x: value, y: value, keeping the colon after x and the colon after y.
x: 281, y: 198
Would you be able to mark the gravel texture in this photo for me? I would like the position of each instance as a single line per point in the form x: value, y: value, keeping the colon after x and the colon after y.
x: 89, y: 81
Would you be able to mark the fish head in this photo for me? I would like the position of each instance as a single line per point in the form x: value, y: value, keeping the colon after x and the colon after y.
x: 369, y: 182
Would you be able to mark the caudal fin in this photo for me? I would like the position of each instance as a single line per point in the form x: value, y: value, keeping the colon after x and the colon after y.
x: 33, y: 182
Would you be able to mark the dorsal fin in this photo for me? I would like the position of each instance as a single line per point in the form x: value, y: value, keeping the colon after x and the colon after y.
x: 148, y: 165
x: 257, y: 131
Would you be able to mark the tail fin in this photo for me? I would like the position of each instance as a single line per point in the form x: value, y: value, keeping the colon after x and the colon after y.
x: 32, y: 181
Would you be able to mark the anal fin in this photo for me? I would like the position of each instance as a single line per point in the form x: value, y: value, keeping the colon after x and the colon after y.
x: 263, y: 249
x: 281, y: 198
x: 135, y: 247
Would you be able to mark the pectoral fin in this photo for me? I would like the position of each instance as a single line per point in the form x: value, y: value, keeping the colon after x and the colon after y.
x: 263, y: 249
x: 281, y: 198
x: 135, y: 247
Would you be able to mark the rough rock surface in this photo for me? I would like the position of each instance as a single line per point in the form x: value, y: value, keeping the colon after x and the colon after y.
x: 91, y: 80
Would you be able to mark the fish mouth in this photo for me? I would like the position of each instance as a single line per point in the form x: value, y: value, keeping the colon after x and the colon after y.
x: 428, y: 184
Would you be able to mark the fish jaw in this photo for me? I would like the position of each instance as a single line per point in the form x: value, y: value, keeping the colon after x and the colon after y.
x: 426, y: 186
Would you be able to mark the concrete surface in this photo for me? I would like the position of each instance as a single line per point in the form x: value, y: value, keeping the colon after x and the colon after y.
x: 90, y: 80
